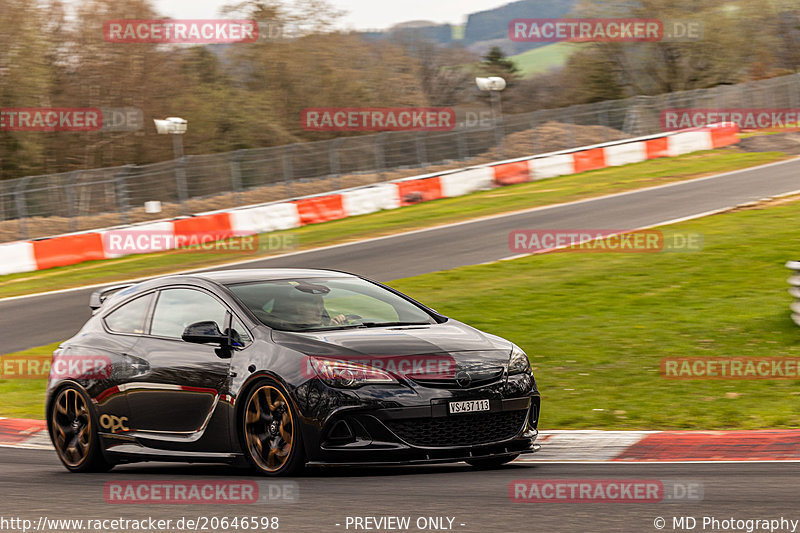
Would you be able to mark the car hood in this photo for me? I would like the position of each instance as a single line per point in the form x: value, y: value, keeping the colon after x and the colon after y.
x: 482, y: 355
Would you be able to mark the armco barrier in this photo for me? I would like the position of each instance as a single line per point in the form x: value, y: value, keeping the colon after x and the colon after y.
x: 593, y: 159
x: 657, y: 147
x: 217, y: 224
x: 316, y: 209
x: 625, y: 154
x: 370, y: 199
x: 263, y: 219
x: 466, y: 181
x: 690, y: 141
x: 68, y: 250
x: 17, y: 257
x: 552, y: 166
x: 511, y: 173
x: 794, y: 282
x: 414, y: 191
x: 25, y: 256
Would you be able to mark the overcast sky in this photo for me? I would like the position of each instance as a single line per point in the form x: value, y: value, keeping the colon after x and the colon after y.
x: 361, y: 14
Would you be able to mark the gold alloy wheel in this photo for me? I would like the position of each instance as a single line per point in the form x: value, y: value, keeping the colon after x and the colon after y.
x: 269, y: 428
x: 72, y: 427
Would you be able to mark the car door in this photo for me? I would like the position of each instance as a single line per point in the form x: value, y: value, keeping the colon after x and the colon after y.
x: 179, y: 389
x: 124, y: 327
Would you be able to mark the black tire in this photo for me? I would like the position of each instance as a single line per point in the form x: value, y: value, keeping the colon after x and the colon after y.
x: 270, y: 432
x: 73, y: 431
x: 489, y: 463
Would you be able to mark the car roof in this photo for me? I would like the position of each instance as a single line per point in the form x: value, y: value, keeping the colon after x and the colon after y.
x: 246, y: 275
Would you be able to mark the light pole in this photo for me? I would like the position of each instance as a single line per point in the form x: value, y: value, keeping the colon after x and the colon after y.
x: 176, y: 127
x: 494, y: 85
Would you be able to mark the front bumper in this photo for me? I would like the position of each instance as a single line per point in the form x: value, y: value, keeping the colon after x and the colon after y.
x: 425, y: 434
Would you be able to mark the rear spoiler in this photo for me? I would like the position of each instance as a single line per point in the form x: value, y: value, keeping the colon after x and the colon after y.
x: 98, y: 297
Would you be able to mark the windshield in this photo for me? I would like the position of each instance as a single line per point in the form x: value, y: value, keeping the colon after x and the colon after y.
x: 314, y: 304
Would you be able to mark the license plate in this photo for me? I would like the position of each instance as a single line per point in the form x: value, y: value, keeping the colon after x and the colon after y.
x: 469, y: 406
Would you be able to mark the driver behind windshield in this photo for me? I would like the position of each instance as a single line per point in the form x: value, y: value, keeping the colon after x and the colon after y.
x: 305, y: 309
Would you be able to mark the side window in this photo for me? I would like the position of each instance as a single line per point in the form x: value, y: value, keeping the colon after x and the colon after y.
x: 240, y: 334
x: 178, y: 308
x: 130, y: 317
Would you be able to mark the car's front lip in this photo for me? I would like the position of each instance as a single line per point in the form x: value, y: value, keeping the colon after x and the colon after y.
x: 456, y: 455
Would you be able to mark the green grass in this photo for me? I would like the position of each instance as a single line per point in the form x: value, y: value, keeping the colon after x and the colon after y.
x: 500, y: 200
x: 544, y: 58
x: 24, y: 398
x: 597, y: 325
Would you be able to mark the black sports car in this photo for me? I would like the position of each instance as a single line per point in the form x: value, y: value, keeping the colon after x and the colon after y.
x: 282, y: 368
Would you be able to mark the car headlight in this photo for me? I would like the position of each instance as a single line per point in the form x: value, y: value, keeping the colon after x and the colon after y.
x: 518, y: 362
x: 348, y: 375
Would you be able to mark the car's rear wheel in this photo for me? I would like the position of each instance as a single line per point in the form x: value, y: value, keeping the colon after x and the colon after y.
x: 271, y: 435
x: 73, y: 432
x: 491, y: 462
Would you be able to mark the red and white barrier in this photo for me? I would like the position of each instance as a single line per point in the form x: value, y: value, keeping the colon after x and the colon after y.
x: 75, y: 248
x: 264, y: 219
x: 17, y: 257
x: 370, y: 199
x: 467, y: 181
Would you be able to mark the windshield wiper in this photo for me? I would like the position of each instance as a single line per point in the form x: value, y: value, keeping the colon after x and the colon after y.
x: 331, y: 328
x: 387, y: 324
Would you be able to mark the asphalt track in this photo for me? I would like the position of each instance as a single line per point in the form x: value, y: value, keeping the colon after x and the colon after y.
x: 34, y: 484
x: 43, y: 319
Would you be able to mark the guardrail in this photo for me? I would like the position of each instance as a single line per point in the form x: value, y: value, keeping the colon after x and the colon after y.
x: 40, y: 254
x: 794, y: 290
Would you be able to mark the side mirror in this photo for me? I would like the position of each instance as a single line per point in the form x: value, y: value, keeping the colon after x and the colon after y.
x: 205, y: 333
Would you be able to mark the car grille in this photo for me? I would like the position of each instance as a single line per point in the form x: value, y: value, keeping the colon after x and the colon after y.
x: 477, y: 379
x: 459, y: 430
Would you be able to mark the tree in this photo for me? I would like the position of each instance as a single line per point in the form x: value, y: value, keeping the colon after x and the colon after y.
x: 495, y: 63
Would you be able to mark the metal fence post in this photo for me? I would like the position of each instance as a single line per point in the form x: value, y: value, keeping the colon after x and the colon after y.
x: 333, y: 157
x: 379, y: 154
x: 236, y: 176
x: 463, y: 147
x: 180, y: 182
x: 422, y: 155
x: 22, y: 212
x: 121, y: 189
x: 534, y: 124
x: 69, y: 192
x: 288, y: 172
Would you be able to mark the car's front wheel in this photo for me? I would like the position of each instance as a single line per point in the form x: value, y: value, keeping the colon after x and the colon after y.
x: 72, y: 428
x: 271, y: 435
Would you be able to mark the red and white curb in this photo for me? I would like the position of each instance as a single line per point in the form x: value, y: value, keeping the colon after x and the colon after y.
x: 576, y: 446
x: 22, y: 433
